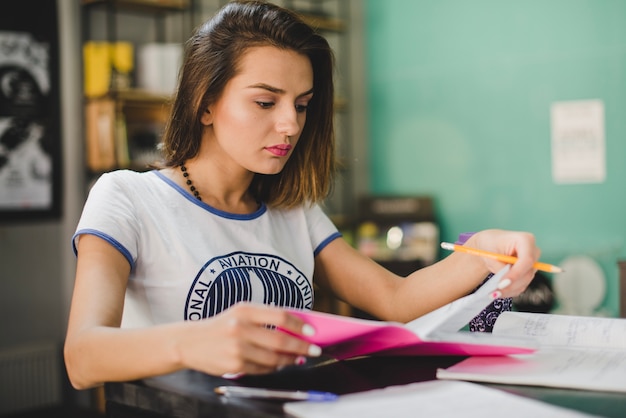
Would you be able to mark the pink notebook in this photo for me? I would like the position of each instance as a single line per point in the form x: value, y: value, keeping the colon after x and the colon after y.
x: 436, y: 333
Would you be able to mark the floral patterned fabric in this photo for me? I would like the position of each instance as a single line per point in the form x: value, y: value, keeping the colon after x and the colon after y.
x: 484, y: 321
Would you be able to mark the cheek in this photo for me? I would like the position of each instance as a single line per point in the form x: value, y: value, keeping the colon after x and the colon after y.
x: 234, y: 116
x: 249, y: 123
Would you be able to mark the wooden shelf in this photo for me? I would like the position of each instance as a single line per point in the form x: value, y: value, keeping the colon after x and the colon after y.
x: 141, y: 96
x: 135, y: 97
x: 124, y: 126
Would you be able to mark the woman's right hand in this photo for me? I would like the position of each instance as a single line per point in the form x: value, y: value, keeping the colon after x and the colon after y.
x: 244, y: 339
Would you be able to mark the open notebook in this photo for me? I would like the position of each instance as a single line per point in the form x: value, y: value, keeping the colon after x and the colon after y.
x: 576, y: 352
x: 436, y: 333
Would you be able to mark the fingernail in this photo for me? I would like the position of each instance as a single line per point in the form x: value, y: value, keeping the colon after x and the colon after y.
x: 315, y: 350
x: 300, y: 360
x: 495, y: 295
x: 308, y: 330
x: 232, y: 375
x: 504, y: 283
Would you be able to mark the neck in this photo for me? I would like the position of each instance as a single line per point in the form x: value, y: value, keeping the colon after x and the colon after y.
x: 217, y: 188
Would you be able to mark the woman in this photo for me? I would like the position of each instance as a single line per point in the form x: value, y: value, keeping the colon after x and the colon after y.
x: 165, y: 256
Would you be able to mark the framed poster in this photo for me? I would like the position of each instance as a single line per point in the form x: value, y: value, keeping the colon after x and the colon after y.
x: 30, y: 140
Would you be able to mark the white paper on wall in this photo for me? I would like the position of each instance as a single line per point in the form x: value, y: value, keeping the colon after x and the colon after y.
x: 578, y: 143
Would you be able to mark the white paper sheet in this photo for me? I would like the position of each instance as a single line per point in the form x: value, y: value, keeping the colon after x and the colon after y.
x: 588, y: 369
x: 576, y: 352
x: 430, y: 399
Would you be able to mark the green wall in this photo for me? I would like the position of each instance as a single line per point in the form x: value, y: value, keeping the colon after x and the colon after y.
x: 460, y: 94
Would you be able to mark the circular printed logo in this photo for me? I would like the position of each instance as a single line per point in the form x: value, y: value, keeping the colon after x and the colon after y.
x: 239, y: 276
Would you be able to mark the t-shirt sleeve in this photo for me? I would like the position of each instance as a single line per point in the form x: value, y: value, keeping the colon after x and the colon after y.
x: 109, y: 214
x: 321, y: 229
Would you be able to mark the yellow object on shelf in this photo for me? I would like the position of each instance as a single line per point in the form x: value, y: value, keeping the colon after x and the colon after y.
x: 123, y: 64
x: 122, y: 56
x: 97, y: 68
x: 107, y: 65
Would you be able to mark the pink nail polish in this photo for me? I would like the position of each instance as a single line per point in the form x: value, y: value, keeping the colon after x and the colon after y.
x: 495, y: 295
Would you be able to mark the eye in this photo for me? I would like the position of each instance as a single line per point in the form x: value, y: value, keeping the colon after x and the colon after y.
x: 265, y: 105
x: 301, y: 108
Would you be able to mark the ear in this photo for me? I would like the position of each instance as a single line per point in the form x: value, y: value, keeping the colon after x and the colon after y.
x: 207, y: 117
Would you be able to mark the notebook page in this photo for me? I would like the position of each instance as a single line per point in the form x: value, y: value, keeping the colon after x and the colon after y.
x: 564, y: 330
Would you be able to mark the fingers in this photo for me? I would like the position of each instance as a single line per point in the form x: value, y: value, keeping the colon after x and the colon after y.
x: 519, y: 244
x: 281, y: 342
x: 511, y: 288
x: 263, y: 315
x: 257, y: 358
x: 267, y: 338
x: 523, y: 271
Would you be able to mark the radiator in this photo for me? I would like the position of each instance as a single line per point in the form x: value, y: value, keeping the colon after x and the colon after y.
x: 30, y: 377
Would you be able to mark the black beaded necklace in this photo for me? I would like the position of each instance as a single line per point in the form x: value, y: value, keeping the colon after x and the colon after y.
x: 193, y: 189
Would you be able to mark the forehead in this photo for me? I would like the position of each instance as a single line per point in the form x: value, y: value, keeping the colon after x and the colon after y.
x: 275, y: 66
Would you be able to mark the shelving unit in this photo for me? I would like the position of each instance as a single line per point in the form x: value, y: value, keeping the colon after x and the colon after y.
x: 123, y: 122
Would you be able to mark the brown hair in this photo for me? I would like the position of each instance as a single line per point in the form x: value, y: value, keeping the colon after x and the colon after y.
x: 211, y: 58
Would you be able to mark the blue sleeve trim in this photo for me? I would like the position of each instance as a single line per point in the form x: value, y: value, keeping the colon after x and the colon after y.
x: 108, y: 239
x: 326, y: 242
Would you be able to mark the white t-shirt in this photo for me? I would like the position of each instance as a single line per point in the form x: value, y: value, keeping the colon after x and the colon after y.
x: 189, y: 260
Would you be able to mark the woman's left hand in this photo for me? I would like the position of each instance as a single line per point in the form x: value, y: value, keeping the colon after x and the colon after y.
x: 519, y: 244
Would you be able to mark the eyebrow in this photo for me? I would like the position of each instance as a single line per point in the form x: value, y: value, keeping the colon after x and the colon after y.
x: 276, y: 89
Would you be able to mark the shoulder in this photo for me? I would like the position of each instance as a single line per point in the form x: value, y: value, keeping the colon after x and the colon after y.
x: 313, y: 210
x: 312, y: 214
x: 305, y: 210
x: 124, y: 179
x: 122, y: 176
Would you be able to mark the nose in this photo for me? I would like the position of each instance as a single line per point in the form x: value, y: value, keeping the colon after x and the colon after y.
x: 289, y: 123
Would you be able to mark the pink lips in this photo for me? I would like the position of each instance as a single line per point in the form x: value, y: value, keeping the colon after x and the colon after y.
x: 279, y: 150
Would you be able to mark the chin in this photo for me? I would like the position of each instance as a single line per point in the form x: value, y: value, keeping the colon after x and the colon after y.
x: 270, y: 171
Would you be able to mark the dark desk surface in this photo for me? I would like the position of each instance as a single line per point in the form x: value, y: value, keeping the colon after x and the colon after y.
x: 190, y: 394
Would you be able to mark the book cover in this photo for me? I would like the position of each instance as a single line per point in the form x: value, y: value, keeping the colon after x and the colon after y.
x: 436, y: 333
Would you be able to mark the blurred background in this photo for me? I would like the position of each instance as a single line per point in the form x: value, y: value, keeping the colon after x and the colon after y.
x: 452, y: 117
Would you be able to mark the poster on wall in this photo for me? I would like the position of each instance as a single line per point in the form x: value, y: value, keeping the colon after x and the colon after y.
x: 30, y: 142
x: 578, y: 143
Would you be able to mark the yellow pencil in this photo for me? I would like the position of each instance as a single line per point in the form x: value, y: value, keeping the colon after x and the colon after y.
x: 509, y: 259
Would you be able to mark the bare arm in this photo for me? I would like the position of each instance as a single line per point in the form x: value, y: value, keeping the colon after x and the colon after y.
x: 366, y: 285
x: 98, y: 350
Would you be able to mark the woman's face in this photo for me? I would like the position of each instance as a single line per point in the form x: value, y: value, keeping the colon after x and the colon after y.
x: 257, y: 121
